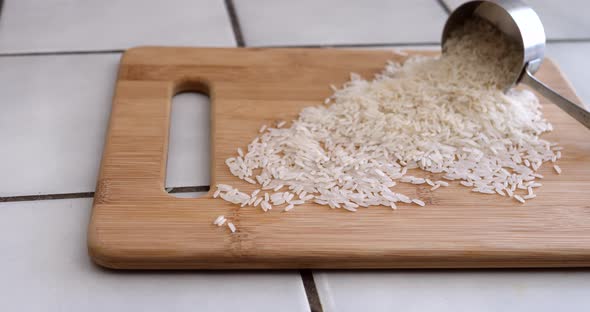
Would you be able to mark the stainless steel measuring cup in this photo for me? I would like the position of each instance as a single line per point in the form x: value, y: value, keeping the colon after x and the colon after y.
x: 522, y: 24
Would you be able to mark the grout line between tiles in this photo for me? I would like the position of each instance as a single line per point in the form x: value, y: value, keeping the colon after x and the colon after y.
x: 342, y: 45
x: 181, y: 189
x: 313, y: 298
x: 235, y: 23
x: 46, y: 197
x: 444, y: 6
x: 565, y: 40
x: 60, y: 53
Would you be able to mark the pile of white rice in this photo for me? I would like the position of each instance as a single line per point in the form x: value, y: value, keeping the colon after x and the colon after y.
x: 447, y: 116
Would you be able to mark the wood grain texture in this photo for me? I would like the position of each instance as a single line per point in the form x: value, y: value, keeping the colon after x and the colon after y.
x: 135, y: 224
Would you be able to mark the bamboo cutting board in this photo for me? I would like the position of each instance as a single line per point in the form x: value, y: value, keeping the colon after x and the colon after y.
x: 135, y: 224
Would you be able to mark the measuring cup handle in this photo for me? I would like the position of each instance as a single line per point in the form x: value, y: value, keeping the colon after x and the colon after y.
x: 568, y: 106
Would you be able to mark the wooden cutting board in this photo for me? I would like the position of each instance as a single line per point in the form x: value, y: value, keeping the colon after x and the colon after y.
x: 136, y: 225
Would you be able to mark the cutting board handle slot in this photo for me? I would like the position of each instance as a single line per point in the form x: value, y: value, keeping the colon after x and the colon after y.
x: 188, y: 158
x: 191, y: 85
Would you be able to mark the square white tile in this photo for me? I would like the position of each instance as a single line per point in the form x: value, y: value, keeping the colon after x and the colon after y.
x: 189, y: 141
x: 309, y: 22
x: 55, y: 112
x: 455, y: 291
x: 572, y: 59
x: 45, y: 267
x: 562, y: 20
x: 70, y: 25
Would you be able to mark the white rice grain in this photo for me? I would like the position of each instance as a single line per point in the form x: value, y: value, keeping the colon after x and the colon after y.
x: 519, y: 198
x: 218, y: 219
x: 257, y: 202
x: 265, y: 206
x: 418, y: 202
x: 224, y: 187
x: 466, y: 183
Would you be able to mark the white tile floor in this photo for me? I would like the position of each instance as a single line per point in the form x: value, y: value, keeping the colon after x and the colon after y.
x: 309, y: 22
x: 55, y: 110
x: 68, y: 25
x: 471, y: 290
x: 573, y: 60
x: 53, y: 117
x: 54, y: 120
x: 188, y: 151
x: 562, y: 19
x: 45, y: 267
